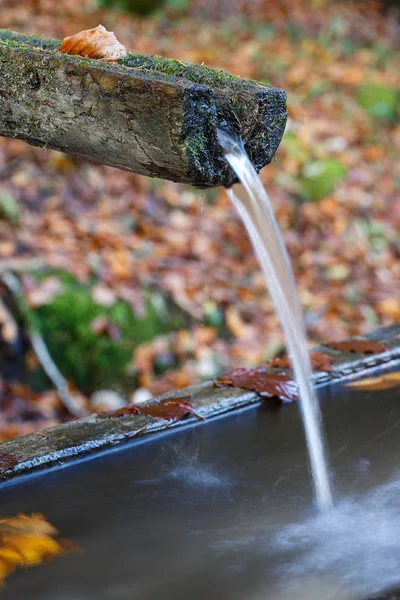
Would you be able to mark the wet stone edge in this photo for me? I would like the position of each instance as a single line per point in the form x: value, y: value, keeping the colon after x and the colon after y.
x: 62, y: 443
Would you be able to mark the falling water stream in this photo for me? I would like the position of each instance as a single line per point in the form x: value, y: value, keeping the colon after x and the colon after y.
x: 256, y: 213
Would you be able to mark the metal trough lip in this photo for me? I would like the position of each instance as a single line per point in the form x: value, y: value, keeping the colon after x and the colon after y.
x: 75, y: 439
x: 189, y: 511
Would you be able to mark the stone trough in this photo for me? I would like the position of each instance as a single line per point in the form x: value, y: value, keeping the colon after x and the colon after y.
x: 188, y: 509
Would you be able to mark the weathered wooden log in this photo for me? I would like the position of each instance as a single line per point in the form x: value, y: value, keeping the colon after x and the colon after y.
x: 146, y: 114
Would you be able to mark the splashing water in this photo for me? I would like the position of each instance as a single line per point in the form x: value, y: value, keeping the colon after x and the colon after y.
x: 357, y: 543
x: 256, y: 212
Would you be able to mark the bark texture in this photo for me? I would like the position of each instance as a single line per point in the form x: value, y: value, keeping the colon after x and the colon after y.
x: 146, y: 114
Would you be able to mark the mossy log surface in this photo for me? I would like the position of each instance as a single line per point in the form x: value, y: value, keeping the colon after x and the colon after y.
x: 146, y: 114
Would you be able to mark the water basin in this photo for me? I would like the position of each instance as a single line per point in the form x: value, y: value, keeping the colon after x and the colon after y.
x: 224, y: 509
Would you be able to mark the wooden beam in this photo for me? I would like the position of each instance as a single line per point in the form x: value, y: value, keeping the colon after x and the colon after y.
x: 146, y: 114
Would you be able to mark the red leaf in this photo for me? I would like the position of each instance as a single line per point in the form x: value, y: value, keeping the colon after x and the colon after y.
x: 360, y: 346
x: 125, y: 410
x: 8, y: 461
x: 319, y: 362
x: 170, y: 410
x: 173, y: 410
x: 269, y: 385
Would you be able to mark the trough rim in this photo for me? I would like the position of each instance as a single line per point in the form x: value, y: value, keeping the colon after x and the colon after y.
x: 61, y: 444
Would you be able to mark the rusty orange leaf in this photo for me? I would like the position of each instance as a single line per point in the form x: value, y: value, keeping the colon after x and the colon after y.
x: 94, y: 43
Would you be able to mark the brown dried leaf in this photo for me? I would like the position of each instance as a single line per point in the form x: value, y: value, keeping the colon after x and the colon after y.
x: 269, y: 385
x: 319, y: 362
x: 94, y: 43
x: 171, y: 410
x: 8, y: 461
x: 359, y: 346
x: 381, y: 382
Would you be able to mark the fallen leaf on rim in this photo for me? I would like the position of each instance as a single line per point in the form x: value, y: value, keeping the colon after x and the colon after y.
x: 269, y: 385
x: 319, y: 362
x: 171, y: 410
x: 8, y: 461
x: 381, y: 382
x: 95, y: 43
x: 359, y: 346
x: 26, y: 541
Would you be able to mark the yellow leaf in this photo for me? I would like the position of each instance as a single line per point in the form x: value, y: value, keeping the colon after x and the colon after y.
x: 26, y: 541
x: 381, y: 382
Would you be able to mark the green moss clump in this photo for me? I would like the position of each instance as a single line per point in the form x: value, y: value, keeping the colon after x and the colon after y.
x: 94, y: 360
x: 9, y: 209
x: 319, y: 178
x: 380, y: 101
x: 197, y: 148
x: 12, y: 39
x: 138, y: 7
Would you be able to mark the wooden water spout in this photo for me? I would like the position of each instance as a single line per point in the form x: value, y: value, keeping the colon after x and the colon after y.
x: 146, y: 114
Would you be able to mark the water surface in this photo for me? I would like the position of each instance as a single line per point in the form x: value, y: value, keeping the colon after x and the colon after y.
x: 224, y: 509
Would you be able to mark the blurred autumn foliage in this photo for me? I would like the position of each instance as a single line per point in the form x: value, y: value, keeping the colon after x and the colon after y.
x: 145, y: 286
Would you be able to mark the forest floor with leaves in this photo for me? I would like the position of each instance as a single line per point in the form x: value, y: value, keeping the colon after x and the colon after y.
x: 143, y: 286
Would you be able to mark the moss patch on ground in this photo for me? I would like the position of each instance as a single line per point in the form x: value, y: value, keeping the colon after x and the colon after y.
x: 90, y: 358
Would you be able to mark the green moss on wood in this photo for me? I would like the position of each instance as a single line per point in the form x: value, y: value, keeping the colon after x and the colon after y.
x: 208, y: 76
x: 13, y: 39
x: 215, y: 78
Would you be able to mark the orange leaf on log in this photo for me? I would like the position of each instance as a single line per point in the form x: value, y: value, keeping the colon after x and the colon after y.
x: 94, y: 43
